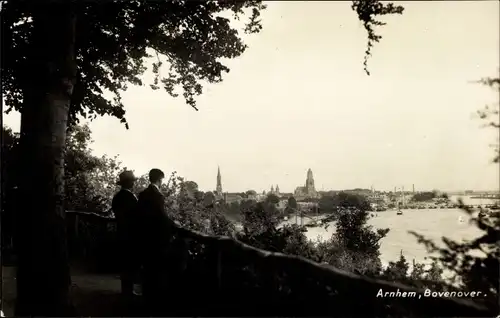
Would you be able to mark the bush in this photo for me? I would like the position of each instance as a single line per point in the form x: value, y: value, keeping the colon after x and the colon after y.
x: 193, y: 210
x: 418, y: 276
x: 355, y: 245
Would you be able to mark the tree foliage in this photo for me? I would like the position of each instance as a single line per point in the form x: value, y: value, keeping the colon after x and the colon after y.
x: 116, y: 40
x: 259, y: 217
x: 368, y: 11
x: 424, y: 196
x: 192, y: 211
x: 354, y: 246
x: 10, y: 170
x: 327, y: 204
x: 10, y: 157
x: 81, y: 56
x: 190, y: 187
x: 232, y: 210
x: 291, y: 205
x: 418, y: 275
x: 475, y: 264
x: 141, y: 183
x: 272, y: 198
x: 90, y: 181
x: 250, y: 193
x: 490, y: 114
x: 334, y: 203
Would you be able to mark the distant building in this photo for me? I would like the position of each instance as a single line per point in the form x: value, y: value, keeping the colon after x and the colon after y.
x: 275, y: 191
x: 218, y: 188
x: 307, y: 191
x: 225, y: 197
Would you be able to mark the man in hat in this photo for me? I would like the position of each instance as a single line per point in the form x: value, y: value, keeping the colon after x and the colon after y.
x: 156, y: 232
x: 124, y: 207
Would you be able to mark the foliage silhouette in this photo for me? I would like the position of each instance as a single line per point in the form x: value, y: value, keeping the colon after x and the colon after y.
x: 90, y: 181
x: 490, y: 113
x: 59, y: 59
x: 475, y: 264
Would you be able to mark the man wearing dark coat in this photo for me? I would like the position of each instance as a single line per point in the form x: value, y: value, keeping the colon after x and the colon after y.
x: 156, y: 233
x: 124, y: 207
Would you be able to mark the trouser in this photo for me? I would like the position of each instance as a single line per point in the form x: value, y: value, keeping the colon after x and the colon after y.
x: 129, y: 269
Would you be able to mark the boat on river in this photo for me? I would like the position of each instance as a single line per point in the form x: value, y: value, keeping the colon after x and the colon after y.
x: 399, y: 212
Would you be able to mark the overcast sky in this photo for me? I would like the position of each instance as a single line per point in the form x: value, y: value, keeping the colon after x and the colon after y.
x: 298, y: 98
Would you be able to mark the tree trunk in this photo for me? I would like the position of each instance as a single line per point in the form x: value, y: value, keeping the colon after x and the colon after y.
x: 43, y: 273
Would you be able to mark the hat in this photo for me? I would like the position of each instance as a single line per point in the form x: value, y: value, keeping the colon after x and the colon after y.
x: 125, y: 176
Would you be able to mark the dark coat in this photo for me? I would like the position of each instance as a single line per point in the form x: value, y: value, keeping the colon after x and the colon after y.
x: 155, y: 224
x: 124, y: 207
x: 156, y: 234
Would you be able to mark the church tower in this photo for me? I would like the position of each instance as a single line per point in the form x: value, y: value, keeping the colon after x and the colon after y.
x: 277, y: 190
x: 310, y: 190
x: 218, y: 189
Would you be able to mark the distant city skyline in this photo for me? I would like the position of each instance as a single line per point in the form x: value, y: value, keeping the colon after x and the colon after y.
x: 219, y: 188
x: 298, y: 98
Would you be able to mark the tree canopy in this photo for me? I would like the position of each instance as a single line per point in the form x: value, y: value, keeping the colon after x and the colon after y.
x: 424, y: 196
x: 61, y: 59
x: 345, y: 200
x: 90, y: 181
x: 115, y: 41
x: 250, y: 193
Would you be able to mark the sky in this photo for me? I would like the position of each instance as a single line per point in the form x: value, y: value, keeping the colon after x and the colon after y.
x: 298, y: 98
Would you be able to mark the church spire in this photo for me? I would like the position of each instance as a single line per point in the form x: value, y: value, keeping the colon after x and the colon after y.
x: 218, y: 189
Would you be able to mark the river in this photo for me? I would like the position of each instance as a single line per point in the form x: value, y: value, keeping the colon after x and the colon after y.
x: 432, y: 223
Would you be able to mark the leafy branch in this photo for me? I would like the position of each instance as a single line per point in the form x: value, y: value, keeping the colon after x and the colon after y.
x: 368, y: 11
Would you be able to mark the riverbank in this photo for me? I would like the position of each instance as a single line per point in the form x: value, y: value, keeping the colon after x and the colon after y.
x: 431, y: 223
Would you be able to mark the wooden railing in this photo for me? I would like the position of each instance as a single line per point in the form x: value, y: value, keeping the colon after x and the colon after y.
x: 227, y: 277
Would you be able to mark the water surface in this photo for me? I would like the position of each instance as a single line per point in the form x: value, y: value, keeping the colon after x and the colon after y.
x: 432, y: 223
